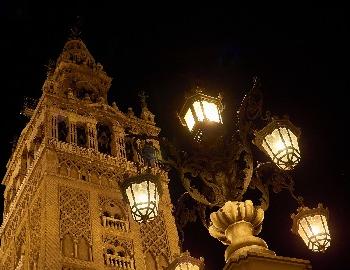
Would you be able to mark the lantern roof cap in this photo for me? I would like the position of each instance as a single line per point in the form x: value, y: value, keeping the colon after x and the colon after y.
x: 304, y: 211
x: 275, y: 122
x: 185, y: 257
x: 197, y: 94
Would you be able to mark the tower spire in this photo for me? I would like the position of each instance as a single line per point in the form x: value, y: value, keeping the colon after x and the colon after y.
x: 143, y: 96
x: 75, y: 29
x: 145, y: 112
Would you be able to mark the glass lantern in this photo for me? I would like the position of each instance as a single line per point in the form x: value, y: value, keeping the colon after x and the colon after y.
x: 142, y: 193
x: 199, y: 112
x: 186, y: 262
x: 279, y: 140
x: 312, y: 226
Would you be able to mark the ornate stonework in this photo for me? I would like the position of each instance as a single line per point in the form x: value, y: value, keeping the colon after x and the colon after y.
x: 35, y: 232
x: 75, y: 214
x: 64, y: 209
x: 154, y: 237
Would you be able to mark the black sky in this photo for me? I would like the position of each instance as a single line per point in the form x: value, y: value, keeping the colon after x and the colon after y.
x: 301, y: 56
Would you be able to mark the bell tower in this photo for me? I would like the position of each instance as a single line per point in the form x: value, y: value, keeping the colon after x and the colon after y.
x: 64, y: 208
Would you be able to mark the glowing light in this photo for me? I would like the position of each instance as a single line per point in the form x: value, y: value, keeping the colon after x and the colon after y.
x: 189, y: 120
x: 143, y: 197
x: 279, y: 140
x: 211, y: 112
x: 311, y: 225
x: 185, y: 262
x: 200, y: 111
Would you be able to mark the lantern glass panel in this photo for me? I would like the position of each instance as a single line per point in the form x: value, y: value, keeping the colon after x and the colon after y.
x: 314, y: 232
x: 143, y: 199
x: 189, y: 119
x: 198, y: 110
x: 211, y: 111
x: 282, y: 147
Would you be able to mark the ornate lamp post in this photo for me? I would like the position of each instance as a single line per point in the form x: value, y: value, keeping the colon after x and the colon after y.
x: 218, y: 174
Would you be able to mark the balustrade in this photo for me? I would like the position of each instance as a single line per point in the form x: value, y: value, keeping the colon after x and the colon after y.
x: 115, y: 223
x: 120, y: 262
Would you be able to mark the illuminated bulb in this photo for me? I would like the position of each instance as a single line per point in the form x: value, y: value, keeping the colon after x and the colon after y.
x: 279, y: 146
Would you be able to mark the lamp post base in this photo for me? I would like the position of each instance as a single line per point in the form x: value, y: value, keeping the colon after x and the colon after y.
x: 255, y: 261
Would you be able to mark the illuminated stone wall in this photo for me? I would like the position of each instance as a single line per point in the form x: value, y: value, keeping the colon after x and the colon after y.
x: 63, y: 204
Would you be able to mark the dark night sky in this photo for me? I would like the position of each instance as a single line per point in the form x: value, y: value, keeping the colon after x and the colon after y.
x: 301, y: 56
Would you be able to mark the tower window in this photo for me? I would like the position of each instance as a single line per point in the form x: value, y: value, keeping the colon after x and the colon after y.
x: 81, y: 136
x: 63, y: 130
x: 104, y: 138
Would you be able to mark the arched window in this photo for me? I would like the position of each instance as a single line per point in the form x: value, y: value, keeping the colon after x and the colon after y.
x: 113, y: 210
x: 83, y: 249
x: 131, y: 149
x: 104, y: 138
x: 150, y: 262
x: 68, y: 246
x: 63, y: 130
x: 110, y: 251
x: 81, y: 135
x: 163, y: 262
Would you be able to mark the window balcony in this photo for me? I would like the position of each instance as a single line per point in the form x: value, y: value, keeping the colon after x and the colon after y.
x: 114, y: 223
x: 119, y: 262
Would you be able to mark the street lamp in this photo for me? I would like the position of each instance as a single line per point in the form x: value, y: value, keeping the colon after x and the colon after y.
x: 218, y: 174
x: 312, y: 226
x: 142, y: 193
x: 201, y: 112
x: 186, y: 262
x: 217, y: 171
x: 279, y: 140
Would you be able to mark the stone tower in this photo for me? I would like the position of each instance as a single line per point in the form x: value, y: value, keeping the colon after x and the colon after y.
x: 63, y: 205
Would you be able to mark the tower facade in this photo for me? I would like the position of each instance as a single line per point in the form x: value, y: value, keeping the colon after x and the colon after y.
x: 64, y: 207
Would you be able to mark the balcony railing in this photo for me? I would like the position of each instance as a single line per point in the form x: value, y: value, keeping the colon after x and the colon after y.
x: 118, y: 224
x: 120, y: 262
x: 86, y: 152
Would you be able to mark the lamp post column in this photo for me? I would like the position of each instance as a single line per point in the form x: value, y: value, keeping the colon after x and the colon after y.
x: 236, y: 224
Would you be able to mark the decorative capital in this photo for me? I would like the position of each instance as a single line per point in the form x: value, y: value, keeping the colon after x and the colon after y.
x: 235, y: 224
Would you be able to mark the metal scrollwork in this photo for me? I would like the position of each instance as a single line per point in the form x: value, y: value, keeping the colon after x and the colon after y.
x: 267, y: 176
x: 222, y: 170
